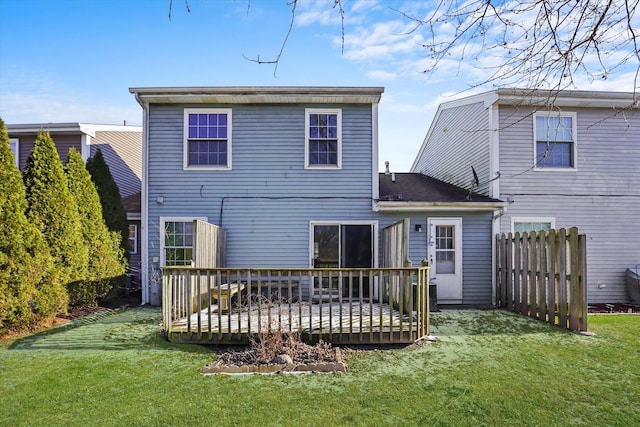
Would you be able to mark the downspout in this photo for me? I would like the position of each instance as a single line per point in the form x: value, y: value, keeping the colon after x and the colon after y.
x: 144, y: 207
x: 494, y: 186
x: 375, y: 181
x: 495, y: 230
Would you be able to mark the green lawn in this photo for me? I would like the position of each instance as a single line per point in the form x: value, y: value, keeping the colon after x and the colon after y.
x: 488, y: 368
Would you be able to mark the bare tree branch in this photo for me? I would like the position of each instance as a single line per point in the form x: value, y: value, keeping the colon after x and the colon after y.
x: 276, y: 61
x: 186, y: 4
x: 538, y: 43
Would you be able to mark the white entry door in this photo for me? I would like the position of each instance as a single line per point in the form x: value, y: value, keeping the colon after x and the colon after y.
x: 445, y: 258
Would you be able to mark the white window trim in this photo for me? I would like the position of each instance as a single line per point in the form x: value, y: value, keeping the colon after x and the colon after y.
x: 514, y: 219
x: 134, y: 239
x: 185, y: 147
x: 16, y: 142
x: 308, y: 111
x: 163, y: 221
x: 574, y: 134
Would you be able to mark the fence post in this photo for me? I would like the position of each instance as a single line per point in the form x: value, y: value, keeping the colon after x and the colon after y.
x: 582, y: 242
x: 561, y: 256
x: 542, y: 276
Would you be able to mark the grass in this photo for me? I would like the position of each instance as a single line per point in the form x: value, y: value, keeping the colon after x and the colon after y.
x: 488, y: 368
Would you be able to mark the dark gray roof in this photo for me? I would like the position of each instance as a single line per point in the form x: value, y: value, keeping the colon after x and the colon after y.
x: 416, y: 187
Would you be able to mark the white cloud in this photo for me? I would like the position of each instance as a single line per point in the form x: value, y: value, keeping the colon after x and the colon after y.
x: 382, y: 76
x: 317, y: 12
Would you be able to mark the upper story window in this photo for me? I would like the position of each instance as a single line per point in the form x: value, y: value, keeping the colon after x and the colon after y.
x: 323, y: 138
x: 14, y: 143
x: 555, y: 139
x: 207, y: 138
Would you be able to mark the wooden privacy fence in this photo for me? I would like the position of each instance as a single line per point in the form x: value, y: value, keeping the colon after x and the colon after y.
x: 543, y: 275
x: 223, y: 305
x: 209, y: 245
x: 395, y: 253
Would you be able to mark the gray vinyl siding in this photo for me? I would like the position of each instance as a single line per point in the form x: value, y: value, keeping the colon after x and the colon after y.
x: 601, y: 197
x: 476, y: 250
x: 267, y: 200
x: 458, y: 140
x: 123, y: 153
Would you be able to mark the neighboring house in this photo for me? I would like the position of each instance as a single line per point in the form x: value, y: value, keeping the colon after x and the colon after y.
x: 291, y: 174
x: 121, y: 147
x: 561, y: 160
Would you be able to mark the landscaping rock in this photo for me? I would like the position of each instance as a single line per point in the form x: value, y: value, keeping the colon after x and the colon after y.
x: 283, y: 359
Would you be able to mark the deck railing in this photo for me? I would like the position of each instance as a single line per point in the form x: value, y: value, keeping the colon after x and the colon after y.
x: 339, y: 305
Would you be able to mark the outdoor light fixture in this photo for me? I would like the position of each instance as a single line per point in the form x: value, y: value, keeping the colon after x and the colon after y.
x: 160, y: 200
x: 419, y: 228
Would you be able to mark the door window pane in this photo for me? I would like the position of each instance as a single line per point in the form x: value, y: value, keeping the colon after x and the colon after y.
x: 326, y: 251
x: 445, y: 249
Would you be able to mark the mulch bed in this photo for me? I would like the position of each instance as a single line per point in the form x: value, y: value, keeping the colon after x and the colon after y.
x: 277, y: 352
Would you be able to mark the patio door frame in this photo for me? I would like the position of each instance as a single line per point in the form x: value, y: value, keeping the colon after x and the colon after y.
x: 374, y: 245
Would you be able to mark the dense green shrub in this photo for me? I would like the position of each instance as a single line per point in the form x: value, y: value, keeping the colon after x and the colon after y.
x: 112, y: 208
x: 53, y: 209
x: 106, y: 258
x: 30, y: 289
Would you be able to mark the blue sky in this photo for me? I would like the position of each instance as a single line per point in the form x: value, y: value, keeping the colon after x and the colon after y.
x: 74, y: 60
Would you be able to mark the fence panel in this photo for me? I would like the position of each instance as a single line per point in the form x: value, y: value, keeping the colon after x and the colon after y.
x: 543, y: 275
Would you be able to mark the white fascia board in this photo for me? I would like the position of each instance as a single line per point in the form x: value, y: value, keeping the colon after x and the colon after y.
x: 257, y: 95
x: 47, y: 127
x: 567, y: 98
x: 438, y: 206
x: 487, y: 98
x: 91, y: 129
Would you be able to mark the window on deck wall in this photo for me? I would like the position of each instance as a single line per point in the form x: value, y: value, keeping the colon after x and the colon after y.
x: 207, y: 138
x: 176, y: 241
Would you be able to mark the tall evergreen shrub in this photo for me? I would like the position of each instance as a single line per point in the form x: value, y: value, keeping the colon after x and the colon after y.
x: 31, y: 291
x: 112, y: 208
x: 53, y: 209
x: 106, y: 258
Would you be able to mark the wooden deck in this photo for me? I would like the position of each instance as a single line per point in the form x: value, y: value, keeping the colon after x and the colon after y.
x: 338, y: 322
x: 397, y: 310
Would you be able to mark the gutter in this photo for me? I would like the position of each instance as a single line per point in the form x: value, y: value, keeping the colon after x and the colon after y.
x: 495, y: 230
x: 144, y: 190
x: 395, y: 206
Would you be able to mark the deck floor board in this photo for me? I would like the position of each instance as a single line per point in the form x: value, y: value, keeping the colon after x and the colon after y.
x: 316, y: 318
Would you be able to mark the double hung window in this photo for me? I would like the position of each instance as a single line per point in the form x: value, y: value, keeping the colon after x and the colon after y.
x: 323, y: 138
x: 555, y: 140
x: 176, y: 240
x: 207, y: 138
